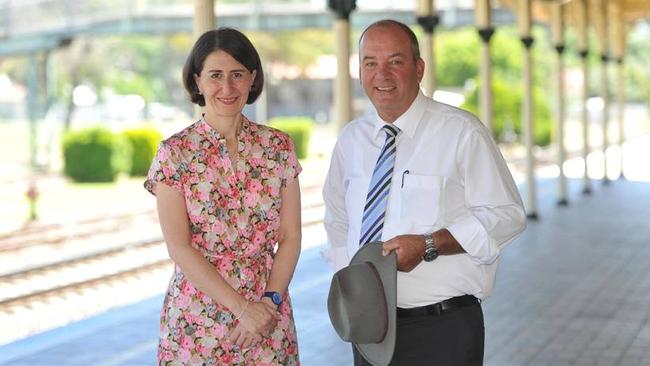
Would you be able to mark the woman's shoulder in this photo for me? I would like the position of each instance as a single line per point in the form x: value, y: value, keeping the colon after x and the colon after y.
x: 179, y: 138
x: 270, y: 136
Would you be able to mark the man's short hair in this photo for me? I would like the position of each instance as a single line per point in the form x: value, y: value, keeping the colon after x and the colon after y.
x: 415, y: 46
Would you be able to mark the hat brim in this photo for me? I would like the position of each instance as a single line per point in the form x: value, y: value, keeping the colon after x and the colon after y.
x: 381, y: 353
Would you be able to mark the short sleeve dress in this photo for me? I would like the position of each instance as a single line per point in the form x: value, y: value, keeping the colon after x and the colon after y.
x: 234, y: 213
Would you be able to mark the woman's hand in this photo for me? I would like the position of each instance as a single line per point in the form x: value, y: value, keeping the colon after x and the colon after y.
x: 257, y: 321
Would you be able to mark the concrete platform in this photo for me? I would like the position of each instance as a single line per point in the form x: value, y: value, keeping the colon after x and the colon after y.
x: 574, y: 289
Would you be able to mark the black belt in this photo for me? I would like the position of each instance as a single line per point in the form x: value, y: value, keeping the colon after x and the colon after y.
x: 440, y: 307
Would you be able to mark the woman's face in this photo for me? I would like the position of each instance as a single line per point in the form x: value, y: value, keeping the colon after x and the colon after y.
x: 225, y: 84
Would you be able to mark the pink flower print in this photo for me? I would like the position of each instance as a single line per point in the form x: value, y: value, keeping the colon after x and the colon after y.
x: 200, y: 332
x: 268, y: 355
x: 203, y: 190
x: 214, y: 161
x: 167, y: 355
x: 168, y: 171
x: 196, y: 361
x: 256, y: 151
x: 247, y: 274
x: 187, y: 342
x: 184, y: 355
x: 258, y: 238
x: 195, y: 209
x: 251, y: 198
x: 183, y: 300
x: 187, y: 288
x: 218, y: 330
x: 224, y: 267
x: 254, y: 185
x: 209, y: 175
x: 204, y: 351
x: 218, y: 227
x: 193, y: 179
x: 250, y: 250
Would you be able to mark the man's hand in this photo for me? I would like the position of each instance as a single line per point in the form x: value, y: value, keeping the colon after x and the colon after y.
x: 409, y: 250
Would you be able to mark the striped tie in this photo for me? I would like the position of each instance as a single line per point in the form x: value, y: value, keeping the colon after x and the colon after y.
x: 375, y: 208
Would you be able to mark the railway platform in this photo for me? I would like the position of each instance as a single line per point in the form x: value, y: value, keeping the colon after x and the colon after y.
x: 572, y: 290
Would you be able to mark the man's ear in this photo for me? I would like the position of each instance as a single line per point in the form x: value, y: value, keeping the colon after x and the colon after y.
x: 419, y: 68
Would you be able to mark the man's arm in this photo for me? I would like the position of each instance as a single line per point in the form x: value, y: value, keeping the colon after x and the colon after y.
x: 336, y: 218
x: 496, y: 214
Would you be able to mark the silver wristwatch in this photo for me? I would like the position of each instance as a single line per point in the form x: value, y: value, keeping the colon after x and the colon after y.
x: 430, y: 250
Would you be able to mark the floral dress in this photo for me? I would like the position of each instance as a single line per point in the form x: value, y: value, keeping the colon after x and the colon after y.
x: 234, y: 213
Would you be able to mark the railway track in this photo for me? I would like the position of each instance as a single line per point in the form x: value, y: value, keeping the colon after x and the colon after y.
x: 56, y: 278
x: 35, y: 284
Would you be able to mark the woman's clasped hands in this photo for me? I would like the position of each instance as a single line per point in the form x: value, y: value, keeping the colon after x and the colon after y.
x: 256, y: 321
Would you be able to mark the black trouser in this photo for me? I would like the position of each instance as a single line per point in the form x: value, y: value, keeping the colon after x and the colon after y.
x: 455, y: 338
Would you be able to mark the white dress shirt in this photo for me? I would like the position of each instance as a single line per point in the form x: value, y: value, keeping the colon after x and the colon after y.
x: 448, y: 173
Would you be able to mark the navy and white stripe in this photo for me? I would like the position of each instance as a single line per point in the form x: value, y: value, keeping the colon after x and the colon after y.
x: 378, y: 189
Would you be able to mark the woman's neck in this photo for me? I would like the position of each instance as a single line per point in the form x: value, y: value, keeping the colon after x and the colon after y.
x: 228, y: 127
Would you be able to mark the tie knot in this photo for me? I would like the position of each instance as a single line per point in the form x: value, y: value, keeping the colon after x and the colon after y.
x: 391, y: 130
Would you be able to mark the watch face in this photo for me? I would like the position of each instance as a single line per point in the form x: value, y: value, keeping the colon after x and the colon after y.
x: 275, y: 297
x: 430, y: 255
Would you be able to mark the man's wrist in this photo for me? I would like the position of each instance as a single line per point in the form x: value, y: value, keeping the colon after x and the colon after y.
x: 430, y: 248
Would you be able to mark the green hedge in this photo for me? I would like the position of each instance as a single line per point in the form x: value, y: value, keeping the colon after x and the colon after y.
x: 507, y: 102
x: 144, y: 143
x: 299, y: 128
x: 95, y: 155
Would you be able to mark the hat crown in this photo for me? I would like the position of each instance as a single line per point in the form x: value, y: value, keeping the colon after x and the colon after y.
x: 357, y: 304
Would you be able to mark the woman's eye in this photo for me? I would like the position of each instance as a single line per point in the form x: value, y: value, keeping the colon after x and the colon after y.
x: 215, y: 76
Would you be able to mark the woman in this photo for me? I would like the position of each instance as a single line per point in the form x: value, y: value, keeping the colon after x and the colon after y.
x: 227, y: 192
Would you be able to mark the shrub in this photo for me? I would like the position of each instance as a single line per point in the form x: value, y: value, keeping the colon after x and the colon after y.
x: 299, y: 129
x: 507, y: 102
x: 95, y: 155
x: 144, y: 143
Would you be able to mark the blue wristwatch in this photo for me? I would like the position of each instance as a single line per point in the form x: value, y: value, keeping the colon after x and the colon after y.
x: 274, y: 296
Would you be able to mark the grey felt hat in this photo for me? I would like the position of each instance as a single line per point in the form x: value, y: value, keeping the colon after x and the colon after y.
x: 362, y: 303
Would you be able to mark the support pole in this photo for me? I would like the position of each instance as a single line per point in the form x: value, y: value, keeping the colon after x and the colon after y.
x: 524, y: 19
x: 583, y: 49
x: 203, y: 19
x: 342, y: 82
x: 618, y: 51
x: 483, y: 15
x: 428, y: 20
x: 603, y: 47
x: 557, y: 29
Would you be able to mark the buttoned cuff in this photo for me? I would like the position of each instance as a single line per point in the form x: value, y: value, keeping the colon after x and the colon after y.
x: 336, y: 257
x: 475, y: 240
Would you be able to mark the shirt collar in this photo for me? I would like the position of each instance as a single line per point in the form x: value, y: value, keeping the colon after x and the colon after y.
x: 408, y: 122
x: 215, y: 137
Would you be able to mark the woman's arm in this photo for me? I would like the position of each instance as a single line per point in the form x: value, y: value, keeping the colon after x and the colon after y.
x: 290, y: 236
x: 172, y: 213
x: 175, y: 225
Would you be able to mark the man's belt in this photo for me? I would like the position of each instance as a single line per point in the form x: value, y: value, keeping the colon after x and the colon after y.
x: 440, y: 307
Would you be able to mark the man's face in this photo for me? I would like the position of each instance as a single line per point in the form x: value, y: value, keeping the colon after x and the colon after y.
x: 389, y: 74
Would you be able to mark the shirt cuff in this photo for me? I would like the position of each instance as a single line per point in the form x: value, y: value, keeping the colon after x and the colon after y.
x: 336, y: 257
x: 475, y: 240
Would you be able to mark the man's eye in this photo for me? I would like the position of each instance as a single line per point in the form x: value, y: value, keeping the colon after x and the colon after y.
x: 215, y: 75
x: 238, y: 75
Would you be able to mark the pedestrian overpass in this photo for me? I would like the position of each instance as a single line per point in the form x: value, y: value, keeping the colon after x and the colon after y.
x: 34, y: 26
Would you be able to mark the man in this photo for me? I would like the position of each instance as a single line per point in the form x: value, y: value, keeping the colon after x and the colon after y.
x: 435, y: 190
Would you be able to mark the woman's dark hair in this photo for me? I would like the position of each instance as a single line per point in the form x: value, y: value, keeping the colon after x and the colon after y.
x: 234, y: 43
